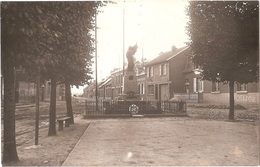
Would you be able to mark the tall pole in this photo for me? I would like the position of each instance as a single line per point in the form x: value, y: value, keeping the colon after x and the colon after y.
x: 123, y: 73
x: 96, y: 61
x: 123, y: 42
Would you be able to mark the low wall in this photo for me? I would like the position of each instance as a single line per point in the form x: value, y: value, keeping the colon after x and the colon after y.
x: 244, y: 99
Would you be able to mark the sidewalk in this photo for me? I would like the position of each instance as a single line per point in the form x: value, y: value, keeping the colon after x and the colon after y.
x: 166, y: 141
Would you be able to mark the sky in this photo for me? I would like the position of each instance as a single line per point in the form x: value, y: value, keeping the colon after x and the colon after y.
x: 155, y: 26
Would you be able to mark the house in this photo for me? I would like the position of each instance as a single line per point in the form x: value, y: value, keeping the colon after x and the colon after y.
x: 194, y: 85
x: 244, y: 94
x: 89, y: 91
x: 105, y: 89
x: 164, y: 74
x: 116, y: 83
x: 141, y: 79
x: 218, y: 93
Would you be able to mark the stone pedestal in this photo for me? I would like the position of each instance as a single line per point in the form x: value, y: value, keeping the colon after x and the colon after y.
x: 130, y: 86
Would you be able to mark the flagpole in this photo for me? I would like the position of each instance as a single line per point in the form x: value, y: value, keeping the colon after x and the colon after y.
x: 96, y: 61
x: 123, y: 89
x: 123, y: 42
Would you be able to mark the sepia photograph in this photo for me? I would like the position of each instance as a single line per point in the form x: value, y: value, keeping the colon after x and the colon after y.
x: 130, y: 83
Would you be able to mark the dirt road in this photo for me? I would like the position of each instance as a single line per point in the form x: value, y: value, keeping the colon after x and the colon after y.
x: 166, y: 141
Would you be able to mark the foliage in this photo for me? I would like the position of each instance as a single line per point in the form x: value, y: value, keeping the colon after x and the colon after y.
x: 51, y: 37
x: 224, y: 37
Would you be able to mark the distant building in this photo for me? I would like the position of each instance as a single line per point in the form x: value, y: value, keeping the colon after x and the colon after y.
x: 172, y: 74
x: 89, y: 91
x: 116, y: 83
x: 105, y: 89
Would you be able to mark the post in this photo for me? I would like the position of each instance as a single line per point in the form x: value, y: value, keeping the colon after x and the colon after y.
x: 37, y: 107
x: 96, y: 61
x: 123, y: 42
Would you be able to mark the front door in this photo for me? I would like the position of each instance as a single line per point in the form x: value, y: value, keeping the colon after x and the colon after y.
x: 156, y: 92
x: 164, y: 92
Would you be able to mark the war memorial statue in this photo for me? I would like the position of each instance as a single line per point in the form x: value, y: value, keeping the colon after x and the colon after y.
x: 130, y: 57
x: 130, y: 80
x: 129, y: 102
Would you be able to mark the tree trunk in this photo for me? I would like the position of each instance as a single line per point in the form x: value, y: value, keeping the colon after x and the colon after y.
x: 9, y: 150
x: 52, y: 122
x: 231, y: 101
x: 68, y: 102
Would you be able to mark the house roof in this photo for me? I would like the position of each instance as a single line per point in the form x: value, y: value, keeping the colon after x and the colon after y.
x: 166, y: 56
x: 105, y: 82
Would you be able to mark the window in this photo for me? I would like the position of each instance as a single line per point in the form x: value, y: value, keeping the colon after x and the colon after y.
x: 241, y: 87
x: 198, y: 85
x: 215, y: 87
x: 163, y: 69
x: 187, y: 85
x: 143, y: 89
x: 194, y: 84
x: 150, y: 89
x: 149, y: 71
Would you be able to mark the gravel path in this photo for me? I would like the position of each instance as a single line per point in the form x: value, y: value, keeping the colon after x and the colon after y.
x: 166, y: 141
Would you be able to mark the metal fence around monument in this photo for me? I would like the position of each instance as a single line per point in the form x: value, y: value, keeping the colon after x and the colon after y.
x: 118, y: 108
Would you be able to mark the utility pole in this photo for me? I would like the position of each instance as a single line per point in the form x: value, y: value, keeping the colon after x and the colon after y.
x: 96, y: 61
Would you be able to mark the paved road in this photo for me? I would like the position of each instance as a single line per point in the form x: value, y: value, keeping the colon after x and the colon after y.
x: 166, y: 141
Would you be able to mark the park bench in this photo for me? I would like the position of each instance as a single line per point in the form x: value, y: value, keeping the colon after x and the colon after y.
x: 61, y: 120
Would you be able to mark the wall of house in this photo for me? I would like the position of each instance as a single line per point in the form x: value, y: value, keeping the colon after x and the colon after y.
x: 177, y: 66
x: 101, y: 93
x: 141, y: 86
x: 246, y: 98
x: 188, y: 80
x: 160, y: 83
x: 116, y: 84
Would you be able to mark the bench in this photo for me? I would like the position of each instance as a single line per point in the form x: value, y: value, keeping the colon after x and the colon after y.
x: 61, y: 120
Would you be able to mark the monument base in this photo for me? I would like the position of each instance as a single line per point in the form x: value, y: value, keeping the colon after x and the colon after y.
x: 130, y: 97
x: 130, y: 86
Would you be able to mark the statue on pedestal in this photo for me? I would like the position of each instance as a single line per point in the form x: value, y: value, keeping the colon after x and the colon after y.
x: 130, y: 57
x: 130, y: 80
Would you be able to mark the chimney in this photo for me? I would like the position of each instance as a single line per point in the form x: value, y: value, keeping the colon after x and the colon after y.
x: 173, y: 47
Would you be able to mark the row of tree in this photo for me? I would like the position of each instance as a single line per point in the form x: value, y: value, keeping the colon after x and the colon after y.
x: 53, y: 40
x: 224, y: 37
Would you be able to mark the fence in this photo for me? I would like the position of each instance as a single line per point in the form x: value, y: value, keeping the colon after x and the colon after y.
x: 111, y: 108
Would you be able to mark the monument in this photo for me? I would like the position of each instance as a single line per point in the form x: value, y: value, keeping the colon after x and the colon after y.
x: 129, y: 102
x: 130, y: 80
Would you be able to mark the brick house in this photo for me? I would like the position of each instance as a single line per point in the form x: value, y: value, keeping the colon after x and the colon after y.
x: 89, y: 91
x: 218, y: 93
x: 194, y: 85
x: 105, y: 90
x: 140, y: 75
x: 164, y: 74
x: 116, y: 83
